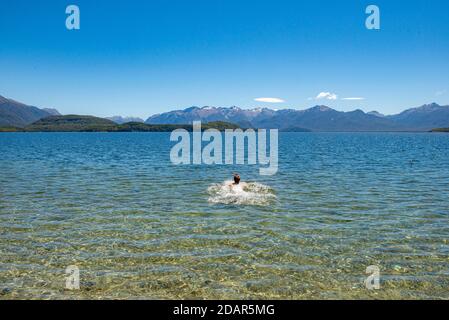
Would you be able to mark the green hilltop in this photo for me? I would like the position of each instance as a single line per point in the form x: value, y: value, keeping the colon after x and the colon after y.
x: 70, y: 123
x: 440, y: 130
x: 77, y: 123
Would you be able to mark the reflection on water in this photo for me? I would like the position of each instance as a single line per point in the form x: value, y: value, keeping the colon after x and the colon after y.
x: 139, y: 227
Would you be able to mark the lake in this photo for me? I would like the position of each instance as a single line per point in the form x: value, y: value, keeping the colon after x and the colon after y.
x: 137, y: 226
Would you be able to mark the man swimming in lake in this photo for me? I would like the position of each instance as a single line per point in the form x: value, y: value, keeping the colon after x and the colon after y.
x: 236, y: 178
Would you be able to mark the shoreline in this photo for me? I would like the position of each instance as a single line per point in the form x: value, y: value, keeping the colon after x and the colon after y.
x: 189, y: 130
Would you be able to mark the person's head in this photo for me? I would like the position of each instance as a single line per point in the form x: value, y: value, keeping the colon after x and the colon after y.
x: 236, y: 179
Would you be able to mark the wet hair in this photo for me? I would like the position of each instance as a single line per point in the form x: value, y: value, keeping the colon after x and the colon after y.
x: 236, y: 179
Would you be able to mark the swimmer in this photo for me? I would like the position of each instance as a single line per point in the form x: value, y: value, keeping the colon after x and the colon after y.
x: 236, y: 178
x: 236, y: 186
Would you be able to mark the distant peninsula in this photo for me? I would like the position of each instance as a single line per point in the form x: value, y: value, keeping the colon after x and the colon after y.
x: 440, y: 130
x: 78, y: 123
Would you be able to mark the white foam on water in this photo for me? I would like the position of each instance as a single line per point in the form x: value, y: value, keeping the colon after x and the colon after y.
x: 251, y: 193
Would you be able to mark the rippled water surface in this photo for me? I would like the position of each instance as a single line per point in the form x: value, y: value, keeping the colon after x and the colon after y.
x: 139, y: 227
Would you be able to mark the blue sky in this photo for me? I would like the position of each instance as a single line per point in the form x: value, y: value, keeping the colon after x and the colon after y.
x: 144, y: 57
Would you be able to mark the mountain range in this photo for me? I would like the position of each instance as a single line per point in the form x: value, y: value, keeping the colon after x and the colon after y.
x: 122, y: 120
x: 318, y: 118
x: 16, y: 114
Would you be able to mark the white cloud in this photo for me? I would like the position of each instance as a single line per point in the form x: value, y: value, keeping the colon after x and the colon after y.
x: 440, y: 93
x: 354, y: 98
x: 269, y: 100
x: 327, y: 96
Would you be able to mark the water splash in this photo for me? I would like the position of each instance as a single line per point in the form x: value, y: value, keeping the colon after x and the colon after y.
x: 251, y: 193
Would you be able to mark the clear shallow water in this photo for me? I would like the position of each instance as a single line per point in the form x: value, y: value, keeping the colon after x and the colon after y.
x: 139, y: 227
